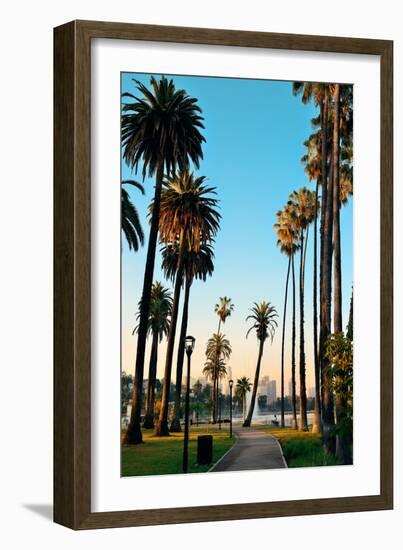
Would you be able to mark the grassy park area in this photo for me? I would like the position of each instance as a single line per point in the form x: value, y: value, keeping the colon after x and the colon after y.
x: 163, y: 455
x: 300, y: 449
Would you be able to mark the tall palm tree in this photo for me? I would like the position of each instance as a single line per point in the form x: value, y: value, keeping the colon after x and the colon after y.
x: 158, y: 326
x: 161, y: 132
x: 337, y: 311
x: 312, y: 162
x: 342, y: 183
x: 197, y: 265
x: 188, y: 218
x: 130, y: 220
x: 214, y: 370
x: 243, y: 386
x: 319, y: 93
x: 264, y: 316
x: 303, y: 208
x: 339, y: 188
x: 218, y: 350
x: 223, y: 308
x: 342, y: 115
x: 287, y: 241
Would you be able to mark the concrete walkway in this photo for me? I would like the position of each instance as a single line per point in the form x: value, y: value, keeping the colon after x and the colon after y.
x: 254, y: 450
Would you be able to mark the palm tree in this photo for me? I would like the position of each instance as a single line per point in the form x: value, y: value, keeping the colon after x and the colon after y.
x: 290, y: 234
x: 243, y: 385
x: 287, y: 241
x: 342, y: 124
x: 264, y: 322
x: 339, y: 188
x: 161, y: 131
x: 218, y: 349
x: 188, y: 218
x: 303, y: 208
x: 312, y: 162
x: 214, y: 370
x: 197, y: 265
x: 342, y: 183
x: 158, y: 326
x: 130, y: 220
x: 223, y: 308
x: 218, y: 346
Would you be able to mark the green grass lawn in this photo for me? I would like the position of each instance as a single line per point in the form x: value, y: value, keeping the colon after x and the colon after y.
x: 300, y: 449
x: 163, y: 455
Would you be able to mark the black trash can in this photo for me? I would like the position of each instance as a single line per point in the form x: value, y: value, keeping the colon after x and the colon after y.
x: 205, y: 449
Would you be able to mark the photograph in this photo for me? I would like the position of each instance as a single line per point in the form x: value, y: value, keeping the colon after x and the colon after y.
x: 237, y: 280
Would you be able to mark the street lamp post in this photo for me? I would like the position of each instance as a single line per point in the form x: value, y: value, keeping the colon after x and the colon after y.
x: 219, y: 408
x: 189, y: 347
x: 231, y: 382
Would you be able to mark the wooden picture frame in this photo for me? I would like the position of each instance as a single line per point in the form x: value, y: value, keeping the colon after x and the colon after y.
x: 72, y: 270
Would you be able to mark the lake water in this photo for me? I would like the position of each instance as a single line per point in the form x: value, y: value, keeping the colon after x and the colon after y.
x: 266, y: 418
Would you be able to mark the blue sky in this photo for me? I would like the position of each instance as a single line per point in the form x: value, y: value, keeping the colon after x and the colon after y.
x: 255, y: 131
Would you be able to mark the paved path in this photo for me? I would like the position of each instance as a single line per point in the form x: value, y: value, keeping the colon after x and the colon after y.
x: 254, y: 450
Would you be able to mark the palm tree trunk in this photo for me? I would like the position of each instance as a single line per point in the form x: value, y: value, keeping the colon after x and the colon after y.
x: 216, y: 393
x: 214, y: 396
x: 304, y: 262
x: 327, y: 393
x: 244, y: 405
x: 133, y: 434
x: 217, y: 397
x: 337, y: 312
x: 283, y: 341
x: 323, y: 218
x: 162, y: 426
x: 219, y: 327
x: 176, y: 424
x: 293, y: 384
x: 303, y: 422
x: 350, y: 328
x: 152, y: 374
x: 316, y: 428
x: 343, y: 452
x: 248, y: 420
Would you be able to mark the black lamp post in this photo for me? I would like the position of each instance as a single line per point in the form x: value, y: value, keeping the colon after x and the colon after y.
x: 189, y: 347
x: 231, y: 383
x: 219, y: 407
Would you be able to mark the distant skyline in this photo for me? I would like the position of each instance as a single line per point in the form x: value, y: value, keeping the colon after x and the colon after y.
x: 255, y: 131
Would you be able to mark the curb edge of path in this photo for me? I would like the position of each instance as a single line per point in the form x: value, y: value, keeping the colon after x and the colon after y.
x: 281, y: 451
x: 223, y: 456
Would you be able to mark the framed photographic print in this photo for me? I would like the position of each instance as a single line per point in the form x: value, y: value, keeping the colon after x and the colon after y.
x: 223, y: 275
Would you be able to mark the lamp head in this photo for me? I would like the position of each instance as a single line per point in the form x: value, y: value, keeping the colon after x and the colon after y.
x: 189, y: 344
x: 231, y: 383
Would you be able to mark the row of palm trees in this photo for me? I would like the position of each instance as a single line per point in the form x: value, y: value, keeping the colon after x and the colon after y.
x: 328, y: 162
x: 161, y: 132
x: 218, y: 351
x: 292, y: 230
